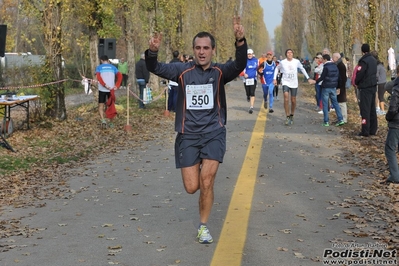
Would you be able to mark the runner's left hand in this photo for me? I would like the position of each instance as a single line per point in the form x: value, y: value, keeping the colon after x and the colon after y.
x: 238, y: 28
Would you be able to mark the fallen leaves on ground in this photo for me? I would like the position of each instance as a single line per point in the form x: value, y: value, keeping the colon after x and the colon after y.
x: 379, y: 203
x: 46, y: 152
x: 52, y: 147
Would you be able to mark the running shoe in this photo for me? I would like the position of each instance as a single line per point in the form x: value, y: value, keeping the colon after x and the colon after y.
x: 320, y: 112
x: 103, y: 123
x: 271, y: 110
x: 204, y: 237
x: 291, y: 120
x: 265, y: 105
x: 251, y: 110
x: 340, y: 123
x: 287, y: 121
x: 326, y: 124
x: 380, y: 112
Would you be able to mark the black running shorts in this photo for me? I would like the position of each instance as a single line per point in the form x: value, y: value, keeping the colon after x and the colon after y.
x: 103, y: 96
x: 292, y: 90
x: 190, y: 149
x: 250, y: 89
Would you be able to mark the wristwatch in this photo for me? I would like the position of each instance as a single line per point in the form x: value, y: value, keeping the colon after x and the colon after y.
x: 241, y: 40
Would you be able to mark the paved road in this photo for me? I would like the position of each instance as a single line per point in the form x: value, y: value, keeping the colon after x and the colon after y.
x: 280, y: 186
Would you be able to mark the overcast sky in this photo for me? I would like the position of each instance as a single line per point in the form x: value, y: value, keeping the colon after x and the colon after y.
x: 272, y: 11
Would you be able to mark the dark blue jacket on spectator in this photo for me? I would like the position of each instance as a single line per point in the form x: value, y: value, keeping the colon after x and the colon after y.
x: 329, y: 76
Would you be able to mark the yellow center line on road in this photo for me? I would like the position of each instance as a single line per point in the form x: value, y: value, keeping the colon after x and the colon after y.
x: 234, y: 232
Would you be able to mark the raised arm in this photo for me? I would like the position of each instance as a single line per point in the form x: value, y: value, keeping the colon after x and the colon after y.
x: 155, y: 42
x: 239, y: 32
x: 232, y: 70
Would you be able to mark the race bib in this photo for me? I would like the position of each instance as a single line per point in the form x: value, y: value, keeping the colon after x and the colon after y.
x: 290, y: 76
x: 199, y: 97
x: 249, y: 82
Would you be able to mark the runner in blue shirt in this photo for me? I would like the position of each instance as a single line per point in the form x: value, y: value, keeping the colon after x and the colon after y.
x: 266, y: 72
x: 250, y: 73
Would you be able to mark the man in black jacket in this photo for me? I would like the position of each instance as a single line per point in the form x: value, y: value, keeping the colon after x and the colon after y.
x: 201, y: 113
x: 341, y: 90
x: 142, y: 77
x: 392, y: 141
x: 366, y: 82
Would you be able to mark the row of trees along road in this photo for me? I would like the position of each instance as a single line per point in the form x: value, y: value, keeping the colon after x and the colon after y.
x: 339, y: 25
x: 71, y: 29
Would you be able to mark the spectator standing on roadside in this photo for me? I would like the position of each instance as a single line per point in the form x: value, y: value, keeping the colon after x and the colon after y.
x: 381, y: 80
x: 329, y: 82
x: 142, y: 78
x: 124, y: 69
x: 392, y: 140
x: 349, y: 70
x: 341, y: 89
x: 317, y: 72
x: 289, y: 69
x: 308, y: 68
x: 366, y: 82
x: 201, y: 113
x: 105, y: 74
x: 313, y: 65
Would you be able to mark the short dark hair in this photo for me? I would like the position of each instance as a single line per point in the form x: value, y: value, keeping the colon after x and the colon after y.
x: 375, y: 54
x: 365, y: 48
x: 104, y: 58
x: 286, y: 51
x: 175, y: 54
x: 204, y: 34
x: 327, y: 57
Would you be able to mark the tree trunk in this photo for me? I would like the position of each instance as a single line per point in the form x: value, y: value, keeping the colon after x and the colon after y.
x: 55, y: 105
x: 131, y: 64
x: 94, y: 60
